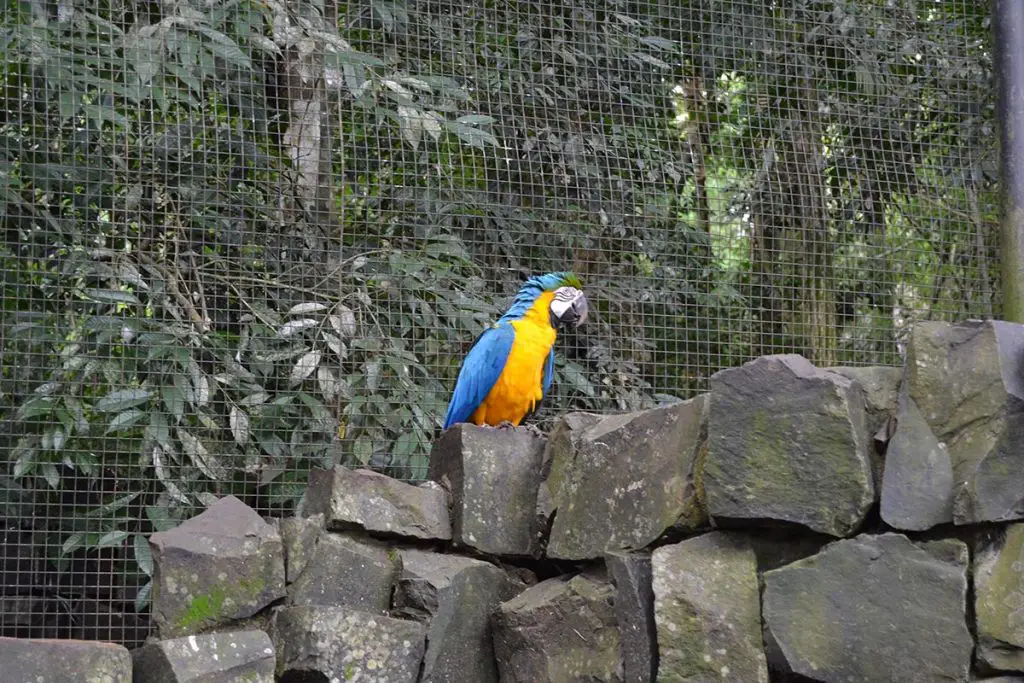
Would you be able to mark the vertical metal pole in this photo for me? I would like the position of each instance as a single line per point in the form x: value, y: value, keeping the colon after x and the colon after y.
x: 1008, y: 30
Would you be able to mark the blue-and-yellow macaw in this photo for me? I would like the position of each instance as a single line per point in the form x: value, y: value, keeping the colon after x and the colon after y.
x: 511, y: 365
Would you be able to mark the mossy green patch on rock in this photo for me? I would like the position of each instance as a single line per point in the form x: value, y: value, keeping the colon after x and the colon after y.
x: 202, y: 609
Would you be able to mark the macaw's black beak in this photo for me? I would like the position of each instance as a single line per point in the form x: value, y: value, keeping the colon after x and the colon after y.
x: 576, y: 314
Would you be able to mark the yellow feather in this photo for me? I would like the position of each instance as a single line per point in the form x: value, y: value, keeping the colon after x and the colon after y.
x: 518, y: 388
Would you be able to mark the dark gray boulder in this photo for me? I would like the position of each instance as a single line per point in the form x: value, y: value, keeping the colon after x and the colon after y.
x: 209, y: 658
x: 52, y: 661
x: 872, y: 608
x: 788, y: 442
x: 320, y: 642
x: 967, y: 380
x: 455, y: 597
x: 621, y: 481
x: 362, y: 499
x: 561, y: 630
x: 349, y: 572
x: 630, y: 574
x: 492, y: 476
x: 999, y: 600
x: 917, y: 486
x: 223, y: 564
x: 707, y: 611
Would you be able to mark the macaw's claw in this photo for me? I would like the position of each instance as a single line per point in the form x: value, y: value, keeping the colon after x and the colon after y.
x: 506, y: 424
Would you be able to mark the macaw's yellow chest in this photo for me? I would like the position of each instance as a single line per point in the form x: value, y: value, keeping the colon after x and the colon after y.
x: 520, y: 386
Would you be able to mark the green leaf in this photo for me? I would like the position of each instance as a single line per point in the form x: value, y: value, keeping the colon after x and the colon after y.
x: 113, y: 506
x: 174, y: 398
x: 230, y: 53
x: 208, y: 464
x: 125, y: 420
x: 476, y: 119
x: 122, y: 400
x: 305, y: 366
x: 51, y: 475
x: 36, y: 406
x: 405, y: 445
x: 143, y: 554
x: 160, y: 517
x: 239, y: 421
x: 142, y: 598
x: 336, y: 60
x: 112, y: 538
x: 72, y: 543
x: 111, y: 296
x: 472, y: 136
x: 308, y: 307
x: 362, y: 449
x: 25, y: 462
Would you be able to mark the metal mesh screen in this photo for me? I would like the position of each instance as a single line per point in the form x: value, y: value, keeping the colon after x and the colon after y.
x: 244, y: 239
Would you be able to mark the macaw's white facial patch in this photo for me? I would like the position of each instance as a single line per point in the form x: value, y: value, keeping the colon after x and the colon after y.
x: 569, y: 306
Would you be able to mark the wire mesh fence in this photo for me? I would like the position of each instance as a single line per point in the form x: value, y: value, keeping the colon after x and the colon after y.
x: 244, y: 239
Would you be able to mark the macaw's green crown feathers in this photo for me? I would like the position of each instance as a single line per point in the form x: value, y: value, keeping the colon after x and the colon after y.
x: 537, y: 285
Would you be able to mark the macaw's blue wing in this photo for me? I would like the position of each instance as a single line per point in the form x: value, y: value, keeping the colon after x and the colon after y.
x: 480, y: 370
x: 549, y: 372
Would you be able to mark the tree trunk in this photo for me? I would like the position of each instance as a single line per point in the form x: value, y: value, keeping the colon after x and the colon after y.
x: 817, y: 295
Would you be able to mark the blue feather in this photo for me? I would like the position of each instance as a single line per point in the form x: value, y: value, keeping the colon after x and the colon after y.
x: 549, y: 372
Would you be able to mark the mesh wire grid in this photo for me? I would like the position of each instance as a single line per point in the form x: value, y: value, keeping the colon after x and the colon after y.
x: 244, y: 239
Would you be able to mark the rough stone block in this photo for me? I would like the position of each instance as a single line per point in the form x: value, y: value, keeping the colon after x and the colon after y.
x: 213, y: 657
x: 54, y: 661
x: 967, y: 380
x: 299, y: 536
x: 347, y: 572
x: 707, y: 611
x: 318, y: 642
x: 630, y: 574
x: 917, y: 486
x: 881, y: 386
x: 225, y: 563
x: 362, y: 499
x: 788, y: 442
x: 455, y: 597
x: 621, y: 481
x: 493, y: 476
x: 873, y: 608
x: 561, y: 630
x: 999, y: 600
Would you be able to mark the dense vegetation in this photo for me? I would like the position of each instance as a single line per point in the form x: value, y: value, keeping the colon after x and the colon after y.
x: 246, y: 238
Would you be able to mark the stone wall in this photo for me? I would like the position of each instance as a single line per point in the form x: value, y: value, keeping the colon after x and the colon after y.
x: 793, y: 524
